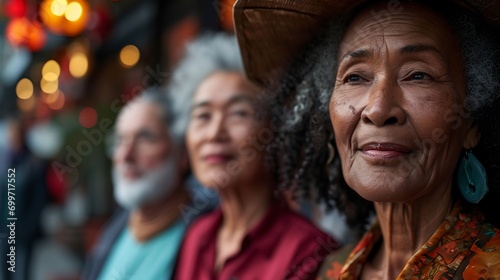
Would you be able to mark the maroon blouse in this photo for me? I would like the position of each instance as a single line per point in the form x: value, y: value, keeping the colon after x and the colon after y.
x: 283, y: 245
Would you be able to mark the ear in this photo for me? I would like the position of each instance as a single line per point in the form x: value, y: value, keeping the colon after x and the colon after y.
x: 472, y: 138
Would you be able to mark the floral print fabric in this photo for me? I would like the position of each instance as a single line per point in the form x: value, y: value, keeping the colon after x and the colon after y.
x: 463, y: 247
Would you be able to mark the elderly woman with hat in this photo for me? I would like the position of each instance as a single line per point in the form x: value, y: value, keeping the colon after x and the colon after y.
x: 253, y: 234
x: 391, y: 111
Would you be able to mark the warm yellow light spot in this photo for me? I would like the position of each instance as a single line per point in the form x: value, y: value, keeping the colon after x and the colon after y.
x: 74, y: 11
x: 49, y: 86
x: 26, y: 105
x: 24, y: 89
x: 50, y: 98
x: 50, y: 77
x: 58, y: 7
x: 129, y: 55
x: 78, y: 65
x: 51, y: 71
x: 58, y: 103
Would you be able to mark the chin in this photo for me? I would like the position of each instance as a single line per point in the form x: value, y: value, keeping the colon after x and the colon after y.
x: 214, y: 181
x: 378, y: 190
x: 213, y: 177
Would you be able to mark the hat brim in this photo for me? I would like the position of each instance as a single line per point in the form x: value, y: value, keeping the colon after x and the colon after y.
x: 271, y: 32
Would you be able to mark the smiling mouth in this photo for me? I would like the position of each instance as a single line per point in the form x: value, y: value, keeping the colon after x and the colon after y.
x: 384, y: 150
x: 217, y: 158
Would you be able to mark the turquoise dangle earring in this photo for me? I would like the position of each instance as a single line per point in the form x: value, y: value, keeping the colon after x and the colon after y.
x: 471, y: 178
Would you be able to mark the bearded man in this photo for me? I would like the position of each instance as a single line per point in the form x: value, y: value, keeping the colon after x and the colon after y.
x: 150, y: 168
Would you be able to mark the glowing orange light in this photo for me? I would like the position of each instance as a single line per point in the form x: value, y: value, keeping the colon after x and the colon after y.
x: 67, y: 17
x: 24, y: 32
x: 50, y: 98
x: 55, y: 101
x: 74, y: 11
x: 129, y: 56
x: 226, y: 15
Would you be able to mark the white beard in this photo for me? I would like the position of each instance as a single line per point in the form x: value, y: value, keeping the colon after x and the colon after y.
x: 152, y: 186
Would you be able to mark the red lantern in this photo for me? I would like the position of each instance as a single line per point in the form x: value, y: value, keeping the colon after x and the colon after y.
x: 23, y: 32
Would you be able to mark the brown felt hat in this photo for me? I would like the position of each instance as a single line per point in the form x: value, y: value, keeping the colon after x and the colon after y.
x: 271, y: 32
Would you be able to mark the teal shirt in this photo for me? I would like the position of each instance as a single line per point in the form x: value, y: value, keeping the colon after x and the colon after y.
x: 154, y: 259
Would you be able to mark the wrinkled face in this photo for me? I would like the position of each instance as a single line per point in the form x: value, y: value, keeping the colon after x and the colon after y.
x: 223, y: 130
x: 142, y: 142
x: 146, y: 168
x: 397, y: 106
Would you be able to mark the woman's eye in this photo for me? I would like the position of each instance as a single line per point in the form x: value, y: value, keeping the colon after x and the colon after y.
x: 202, y: 116
x: 419, y: 76
x: 240, y: 113
x: 353, y: 78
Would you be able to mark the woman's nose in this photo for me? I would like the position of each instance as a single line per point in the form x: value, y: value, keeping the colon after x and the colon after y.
x: 384, y: 105
x: 217, y: 130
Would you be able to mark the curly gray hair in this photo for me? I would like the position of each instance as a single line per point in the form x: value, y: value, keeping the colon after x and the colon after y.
x: 309, y: 84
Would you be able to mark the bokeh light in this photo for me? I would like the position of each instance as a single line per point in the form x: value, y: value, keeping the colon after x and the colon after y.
x: 58, y: 7
x: 24, y: 89
x: 58, y: 103
x: 66, y: 17
x: 25, y: 32
x: 26, y: 105
x: 129, y: 55
x: 87, y: 117
x: 74, y: 11
x: 50, y: 98
x: 51, y: 71
x: 49, y: 86
x: 78, y: 64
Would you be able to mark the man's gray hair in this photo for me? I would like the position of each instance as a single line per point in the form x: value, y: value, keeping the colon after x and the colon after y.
x: 207, y: 54
x: 159, y: 97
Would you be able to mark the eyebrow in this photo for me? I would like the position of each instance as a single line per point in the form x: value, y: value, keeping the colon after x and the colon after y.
x: 361, y: 53
x: 356, y: 54
x: 419, y: 48
x: 235, y: 99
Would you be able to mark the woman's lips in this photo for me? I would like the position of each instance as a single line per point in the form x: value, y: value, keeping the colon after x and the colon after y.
x: 217, y: 158
x: 384, y: 150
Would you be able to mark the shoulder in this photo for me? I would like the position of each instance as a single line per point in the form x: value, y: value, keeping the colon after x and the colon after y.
x: 104, y: 243
x: 306, y: 245
x: 300, y: 236
x: 113, y: 227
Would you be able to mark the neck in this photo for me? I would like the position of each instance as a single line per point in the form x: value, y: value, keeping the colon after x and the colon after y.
x: 244, y: 205
x: 151, y: 219
x: 406, y: 227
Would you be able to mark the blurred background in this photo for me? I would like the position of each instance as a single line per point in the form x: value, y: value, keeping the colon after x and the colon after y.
x: 66, y: 68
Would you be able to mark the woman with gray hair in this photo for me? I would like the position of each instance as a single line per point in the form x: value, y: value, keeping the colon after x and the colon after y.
x: 398, y: 101
x: 253, y: 234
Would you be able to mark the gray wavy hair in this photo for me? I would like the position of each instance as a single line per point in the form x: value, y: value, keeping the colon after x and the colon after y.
x: 208, y: 54
x: 159, y: 97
